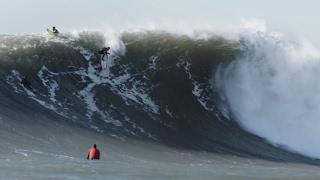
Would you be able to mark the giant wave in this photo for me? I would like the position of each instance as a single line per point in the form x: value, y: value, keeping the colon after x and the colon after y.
x: 247, y: 97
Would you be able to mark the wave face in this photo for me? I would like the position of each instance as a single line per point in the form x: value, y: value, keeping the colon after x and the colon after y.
x: 173, y: 89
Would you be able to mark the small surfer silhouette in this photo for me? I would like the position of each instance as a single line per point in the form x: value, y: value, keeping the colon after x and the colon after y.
x: 26, y: 83
x: 104, y: 52
x: 52, y: 32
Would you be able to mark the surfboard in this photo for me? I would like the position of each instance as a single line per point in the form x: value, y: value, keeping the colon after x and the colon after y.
x: 51, y: 33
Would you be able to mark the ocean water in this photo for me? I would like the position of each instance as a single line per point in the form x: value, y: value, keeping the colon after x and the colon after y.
x: 167, y: 106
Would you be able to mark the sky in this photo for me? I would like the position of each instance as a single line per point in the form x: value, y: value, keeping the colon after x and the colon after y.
x: 295, y: 17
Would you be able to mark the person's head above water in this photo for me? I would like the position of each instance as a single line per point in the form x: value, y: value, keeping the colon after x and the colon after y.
x: 53, y: 27
x: 94, y: 145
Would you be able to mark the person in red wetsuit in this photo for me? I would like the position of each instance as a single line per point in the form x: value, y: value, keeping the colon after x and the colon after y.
x: 93, y: 153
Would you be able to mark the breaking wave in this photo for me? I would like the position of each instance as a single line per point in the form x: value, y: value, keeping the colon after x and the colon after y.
x: 251, y: 96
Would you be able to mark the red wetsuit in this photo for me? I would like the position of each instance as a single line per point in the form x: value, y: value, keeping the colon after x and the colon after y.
x: 93, y: 153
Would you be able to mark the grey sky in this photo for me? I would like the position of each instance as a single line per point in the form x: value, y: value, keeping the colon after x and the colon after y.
x: 33, y: 16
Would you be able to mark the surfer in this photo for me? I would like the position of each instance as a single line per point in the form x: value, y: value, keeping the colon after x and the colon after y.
x: 26, y: 83
x: 104, y: 52
x: 101, y: 64
x: 54, y: 30
x: 93, y: 153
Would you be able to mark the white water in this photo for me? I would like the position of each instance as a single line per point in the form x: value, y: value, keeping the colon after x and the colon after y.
x: 274, y: 91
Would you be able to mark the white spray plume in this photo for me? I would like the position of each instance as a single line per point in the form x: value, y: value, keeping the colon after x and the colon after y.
x: 273, y: 91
